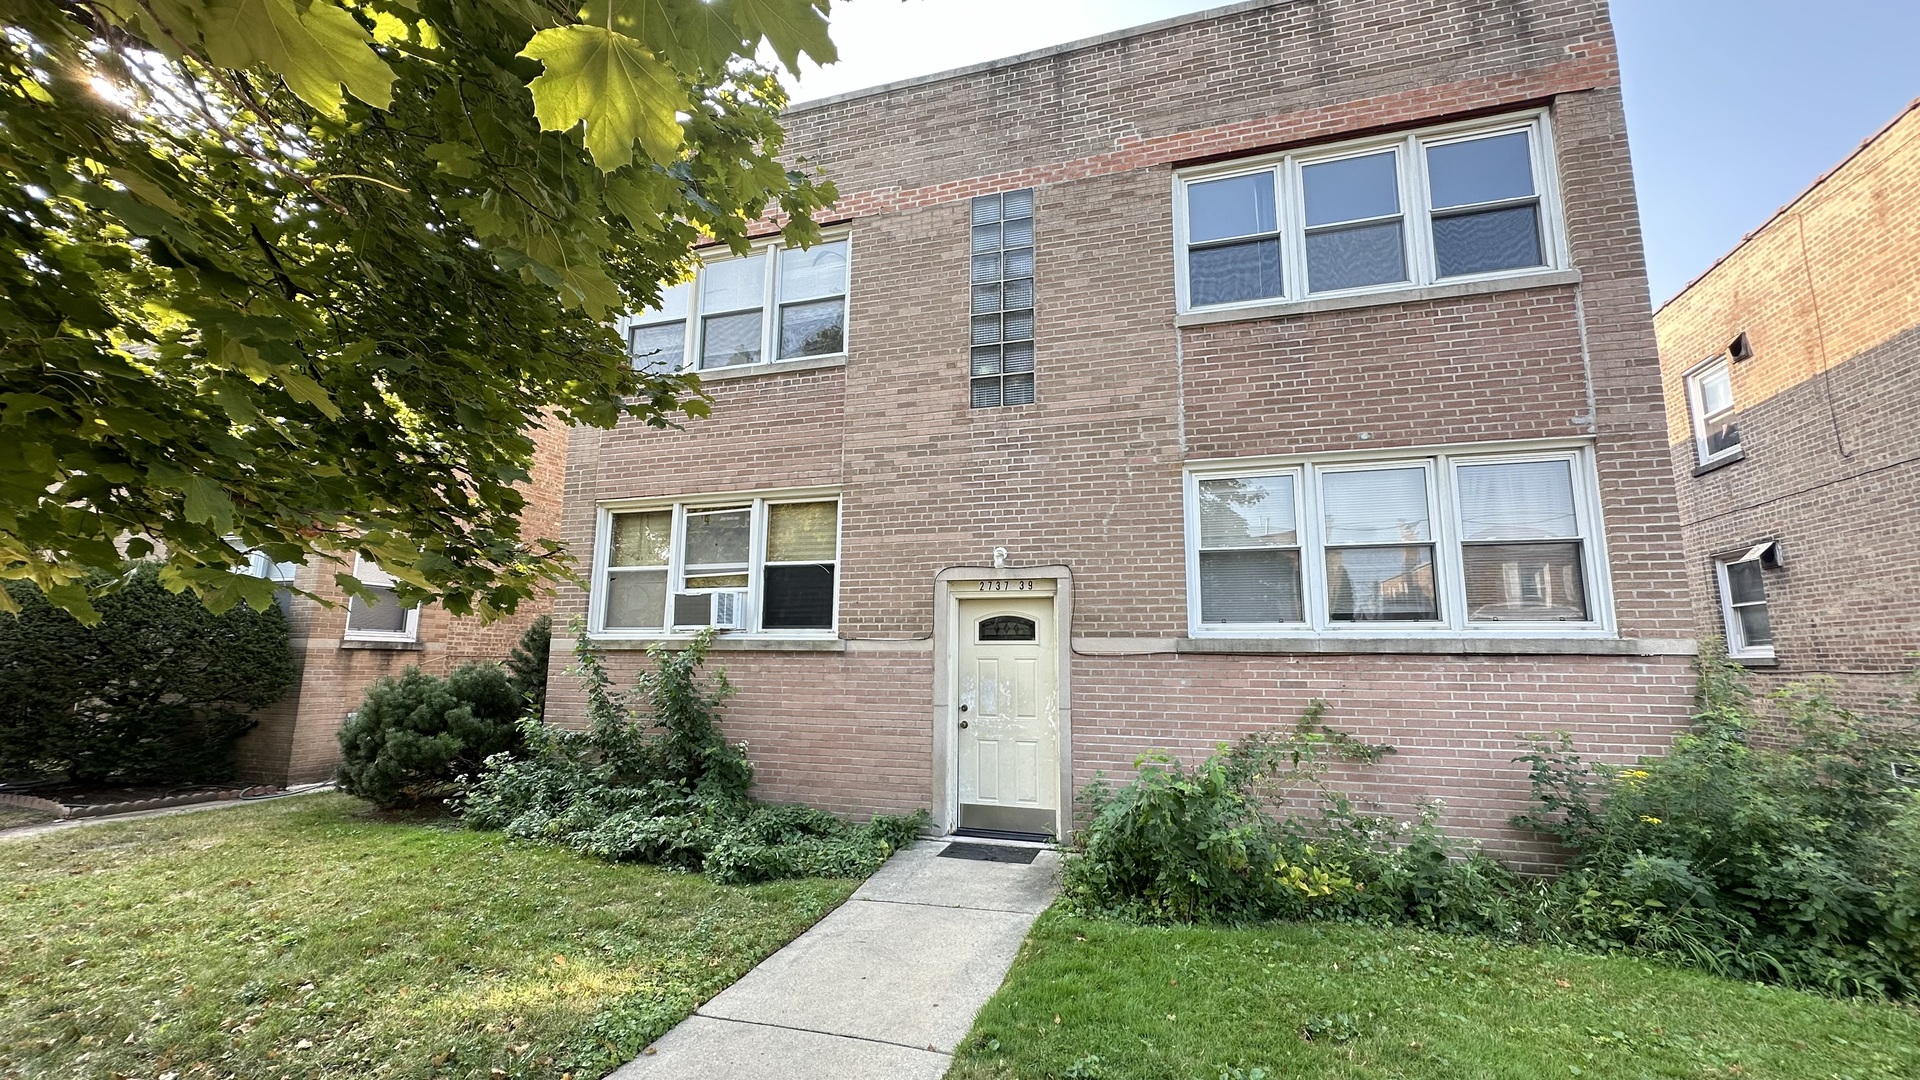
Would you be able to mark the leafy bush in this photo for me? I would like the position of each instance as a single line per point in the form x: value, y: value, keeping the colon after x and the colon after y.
x: 1785, y: 849
x: 527, y: 663
x: 157, y: 692
x: 415, y: 735
x: 1209, y: 843
x: 652, y: 780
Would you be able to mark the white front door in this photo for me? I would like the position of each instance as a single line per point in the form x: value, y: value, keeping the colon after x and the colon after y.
x: 1007, y: 716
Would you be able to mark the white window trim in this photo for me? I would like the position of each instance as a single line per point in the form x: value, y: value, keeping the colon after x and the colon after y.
x: 1737, y: 647
x: 1415, y: 213
x: 1443, y: 508
x: 769, y: 307
x: 370, y: 573
x: 676, y: 569
x: 1697, y: 409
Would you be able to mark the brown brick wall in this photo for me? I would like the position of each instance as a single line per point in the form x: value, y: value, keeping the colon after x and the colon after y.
x: 1090, y: 475
x: 296, y: 741
x: 1828, y: 293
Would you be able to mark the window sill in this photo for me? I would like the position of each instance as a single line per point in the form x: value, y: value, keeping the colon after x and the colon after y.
x: 1429, y: 646
x: 1755, y: 661
x: 722, y: 643
x: 377, y: 645
x: 1721, y: 462
x: 1287, y: 308
x: 778, y: 367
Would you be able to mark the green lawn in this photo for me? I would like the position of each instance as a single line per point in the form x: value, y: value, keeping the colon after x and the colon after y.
x: 1106, y: 1000
x: 303, y: 938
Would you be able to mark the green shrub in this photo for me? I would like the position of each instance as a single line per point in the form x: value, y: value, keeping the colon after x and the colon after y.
x: 527, y: 664
x: 157, y: 692
x: 652, y: 780
x: 1784, y: 849
x: 415, y: 735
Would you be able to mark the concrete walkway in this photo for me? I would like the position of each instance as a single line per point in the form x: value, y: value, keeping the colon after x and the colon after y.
x: 884, y: 988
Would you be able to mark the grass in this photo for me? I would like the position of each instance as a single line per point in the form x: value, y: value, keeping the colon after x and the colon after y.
x: 1111, y: 1001
x: 306, y: 938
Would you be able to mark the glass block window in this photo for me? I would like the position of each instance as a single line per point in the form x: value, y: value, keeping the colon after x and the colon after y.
x: 1001, y: 355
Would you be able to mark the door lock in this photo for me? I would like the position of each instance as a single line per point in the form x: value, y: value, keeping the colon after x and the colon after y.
x: 963, y: 708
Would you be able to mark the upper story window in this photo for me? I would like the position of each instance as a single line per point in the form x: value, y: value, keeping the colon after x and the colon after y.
x: 1442, y: 543
x: 1000, y: 363
x: 774, y: 303
x: 1451, y: 204
x: 382, y: 618
x: 1743, y: 606
x: 747, y: 564
x: 1716, y: 430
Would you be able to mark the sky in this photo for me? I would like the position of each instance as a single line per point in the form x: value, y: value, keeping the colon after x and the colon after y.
x: 1733, y: 106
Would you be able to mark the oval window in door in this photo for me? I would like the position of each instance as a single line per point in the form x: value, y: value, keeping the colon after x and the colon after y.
x: 1006, y: 628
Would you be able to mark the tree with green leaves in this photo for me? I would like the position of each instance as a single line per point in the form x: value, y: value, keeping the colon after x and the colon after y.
x: 298, y: 276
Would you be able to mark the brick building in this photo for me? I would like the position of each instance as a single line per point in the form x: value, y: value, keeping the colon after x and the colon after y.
x: 342, y: 650
x: 1792, y: 374
x: 1152, y: 386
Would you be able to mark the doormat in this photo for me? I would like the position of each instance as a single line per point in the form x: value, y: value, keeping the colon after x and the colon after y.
x: 989, y: 853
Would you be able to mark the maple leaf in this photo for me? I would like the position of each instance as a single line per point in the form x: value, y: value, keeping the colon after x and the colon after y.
x: 612, y: 83
x: 316, y: 53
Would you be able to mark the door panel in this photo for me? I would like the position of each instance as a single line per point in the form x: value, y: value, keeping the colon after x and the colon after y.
x: 1007, y: 714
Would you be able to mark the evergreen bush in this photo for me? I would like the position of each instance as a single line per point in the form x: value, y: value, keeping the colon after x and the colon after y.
x: 527, y: 664
x: 156, y: 693
x: 415, y: 735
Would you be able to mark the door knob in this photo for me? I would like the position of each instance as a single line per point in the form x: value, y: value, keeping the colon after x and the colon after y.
x: 963, y: 723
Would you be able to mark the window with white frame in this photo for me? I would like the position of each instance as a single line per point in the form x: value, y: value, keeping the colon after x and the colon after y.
x: 774, y: 303
x: 1716, y: 429
x: 1442, y: 542
x: 380, y: 617
x: 767, y: 565
x: 1743, y: 604
x: 1444, y: 205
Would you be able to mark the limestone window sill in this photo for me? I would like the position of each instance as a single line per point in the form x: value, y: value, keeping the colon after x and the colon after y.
x: 382, y: 646
x: 1441, y: 646
x: 778, y: 367
x: 723, y: 643
x: 1288, y: 308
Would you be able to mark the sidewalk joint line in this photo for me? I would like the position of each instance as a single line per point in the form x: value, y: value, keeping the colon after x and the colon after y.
x: 942, y: 907
x: 828, y: 1034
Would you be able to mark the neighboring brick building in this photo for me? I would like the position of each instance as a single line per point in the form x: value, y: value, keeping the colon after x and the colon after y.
x: 342, y: 650
x: 1792, y: 372
x: 1183, y: 375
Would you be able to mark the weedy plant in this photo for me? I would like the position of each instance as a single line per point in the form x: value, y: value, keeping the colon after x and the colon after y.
x: 1782, y: 847
x: 652, y: 780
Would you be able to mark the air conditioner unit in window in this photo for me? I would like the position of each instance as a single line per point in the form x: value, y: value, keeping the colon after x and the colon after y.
x: 730, y: 609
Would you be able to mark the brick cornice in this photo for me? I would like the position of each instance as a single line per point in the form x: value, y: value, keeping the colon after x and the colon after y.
x: 1593, y: 70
